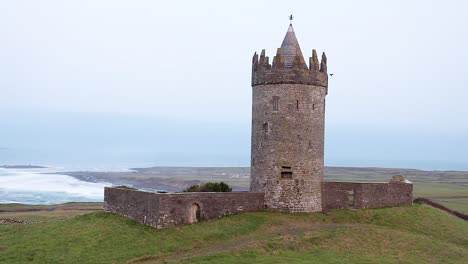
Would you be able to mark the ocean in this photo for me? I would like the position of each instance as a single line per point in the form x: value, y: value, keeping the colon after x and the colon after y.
x: 32, y: 186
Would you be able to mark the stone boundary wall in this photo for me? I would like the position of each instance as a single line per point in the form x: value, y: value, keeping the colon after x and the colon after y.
x: 140, y: 206
x: 441, y: 207
x: 174, y: 208
x: 336, y: 195
x: 169, y: 209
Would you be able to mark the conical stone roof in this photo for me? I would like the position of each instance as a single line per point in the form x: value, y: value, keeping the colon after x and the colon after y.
x: 289, y: 47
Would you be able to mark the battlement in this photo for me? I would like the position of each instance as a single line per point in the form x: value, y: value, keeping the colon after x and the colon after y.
x: 295, y: 72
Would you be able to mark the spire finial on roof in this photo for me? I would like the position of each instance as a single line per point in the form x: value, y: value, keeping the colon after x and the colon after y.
x: 290, y: 47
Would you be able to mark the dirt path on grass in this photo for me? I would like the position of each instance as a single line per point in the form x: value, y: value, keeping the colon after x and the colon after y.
x: 9, y: 221
x: 238, y: 243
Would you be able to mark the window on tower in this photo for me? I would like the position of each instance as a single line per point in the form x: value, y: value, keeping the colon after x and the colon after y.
x: 286, y: 172
x: 275, y: 103
x: 266, y: 129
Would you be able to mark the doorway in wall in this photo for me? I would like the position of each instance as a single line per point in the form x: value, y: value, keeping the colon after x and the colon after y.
x: 351, y: 200
x: 194, y: 214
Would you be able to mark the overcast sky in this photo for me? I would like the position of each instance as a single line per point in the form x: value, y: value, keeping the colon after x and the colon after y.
x: 398, y: 65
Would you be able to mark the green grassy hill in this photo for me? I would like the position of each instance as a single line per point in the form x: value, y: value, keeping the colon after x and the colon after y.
x: 413, y: 234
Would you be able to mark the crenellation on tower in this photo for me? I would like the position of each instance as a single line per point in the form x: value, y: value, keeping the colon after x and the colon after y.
x: 289, y: 69
x: 323, y: 63
x: 299, y: 72
x: 278, y: 60
x: 263, y: 62
x: 254, y: 61
x: 314, y: 62
x: 298, y: 61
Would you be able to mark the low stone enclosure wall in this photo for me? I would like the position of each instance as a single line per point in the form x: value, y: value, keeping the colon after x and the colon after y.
x: 354, y: 195
x: 169, y: 209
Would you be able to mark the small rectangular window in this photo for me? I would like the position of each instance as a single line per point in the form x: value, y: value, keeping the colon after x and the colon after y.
x: 275, y: 103
x: 297, y: 105
x: 286, y: 172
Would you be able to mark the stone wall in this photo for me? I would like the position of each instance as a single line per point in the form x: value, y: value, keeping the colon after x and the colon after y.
x: 140, y: 206
x: 338, y: 195
x: 174, y: 208
x: 441, y: 207
x: 169, y: 209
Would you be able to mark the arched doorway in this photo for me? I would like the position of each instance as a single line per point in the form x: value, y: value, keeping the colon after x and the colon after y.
x: 194, y: 214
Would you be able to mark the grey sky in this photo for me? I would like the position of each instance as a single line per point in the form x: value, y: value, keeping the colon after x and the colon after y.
x: 398, y: 65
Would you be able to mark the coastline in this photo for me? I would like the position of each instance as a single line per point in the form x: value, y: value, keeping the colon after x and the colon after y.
x: 22, y: 167
x: 33, y: 186
x: 174, y: 179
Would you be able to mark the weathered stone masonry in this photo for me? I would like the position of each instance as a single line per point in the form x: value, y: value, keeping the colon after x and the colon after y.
x: 140, y: 206
x: 358, y: 195
x: 169, y: 209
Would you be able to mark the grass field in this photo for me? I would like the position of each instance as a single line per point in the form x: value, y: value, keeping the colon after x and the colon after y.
x: 413, y: 234
x: 41, y: 213
x: 453, y: 196
x: 457, y: 204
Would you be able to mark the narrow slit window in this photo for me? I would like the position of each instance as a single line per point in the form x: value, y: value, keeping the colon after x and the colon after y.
x: 313, y: 106
x: 286, y: 172
x: 266, y: 129
x: 297, y: 105
x: 275, y: 103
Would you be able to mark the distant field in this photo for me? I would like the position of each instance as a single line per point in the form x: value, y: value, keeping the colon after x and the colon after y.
x: 431, y: 190
x: 411, y: 234
x: 453, y: 196
x: 457, y: 204
x: 41, y: 213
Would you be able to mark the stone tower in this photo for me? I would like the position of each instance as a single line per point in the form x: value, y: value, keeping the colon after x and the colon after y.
x: 288, y: 119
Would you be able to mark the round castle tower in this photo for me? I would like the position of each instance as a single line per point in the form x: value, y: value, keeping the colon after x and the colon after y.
x: 288, y: 121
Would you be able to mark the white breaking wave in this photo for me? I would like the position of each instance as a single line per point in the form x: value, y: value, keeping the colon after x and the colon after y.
x: 30, y: 186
